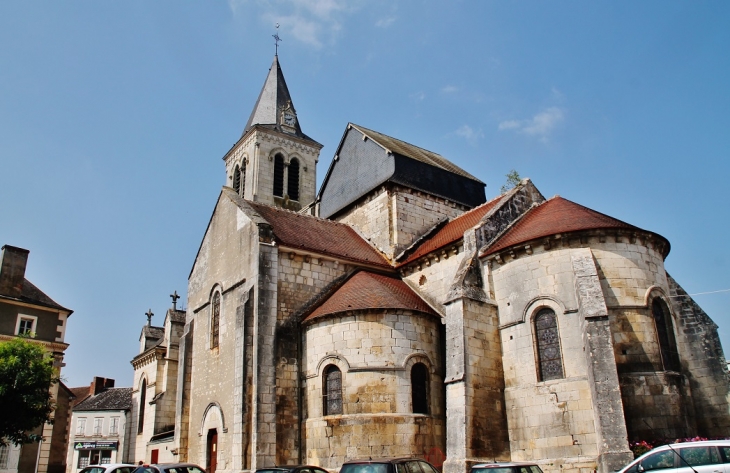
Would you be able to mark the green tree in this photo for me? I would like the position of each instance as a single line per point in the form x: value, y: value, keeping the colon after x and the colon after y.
x: 26, y: 376
x: 513, y: 178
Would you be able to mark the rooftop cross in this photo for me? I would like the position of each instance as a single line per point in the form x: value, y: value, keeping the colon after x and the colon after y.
x: 277, y: 39
x: 175, y: 297
x: 149, y: 315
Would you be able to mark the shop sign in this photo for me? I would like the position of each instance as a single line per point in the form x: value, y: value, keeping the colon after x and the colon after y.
x: 96, y: 445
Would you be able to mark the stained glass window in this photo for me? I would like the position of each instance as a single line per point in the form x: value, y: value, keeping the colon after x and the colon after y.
x: 665, y: 334
x: 550, y: 364
x: 215, y: 320
x: 332, y: 391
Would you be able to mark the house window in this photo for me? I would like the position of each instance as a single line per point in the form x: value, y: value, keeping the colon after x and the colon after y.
x: 293, y: 185
x: 215, y: 320
x: 114, y: 426
x: 98, y: 423
x: 419, y: 388
x: 26, y: 325
x: 142, y: 399
x: 279, y: 175
x: 81, y: 427
x: 332, y: 391
x: 550, y: 364
x: 237, y: 179
x: 665, y: 335
x: 4, y: 449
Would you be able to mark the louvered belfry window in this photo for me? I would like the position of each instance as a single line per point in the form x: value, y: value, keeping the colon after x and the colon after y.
x: 215, y: 320
x: 279, y: 175
x: 293, y: 184
x: 665, y: 334
x: 237, y: 179
x: 550, y: 364
x: 243, y: 178
x: 332, y: 391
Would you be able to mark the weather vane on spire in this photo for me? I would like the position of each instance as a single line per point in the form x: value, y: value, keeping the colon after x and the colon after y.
x: 277, y: 39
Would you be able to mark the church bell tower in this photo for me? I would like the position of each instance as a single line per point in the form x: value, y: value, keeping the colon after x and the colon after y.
x: 274, y: 162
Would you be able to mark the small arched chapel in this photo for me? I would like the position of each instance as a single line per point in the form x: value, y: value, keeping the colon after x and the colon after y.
x: 398, y: 312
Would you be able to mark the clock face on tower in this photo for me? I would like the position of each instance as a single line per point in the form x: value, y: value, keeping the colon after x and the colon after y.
x: 290, y: 119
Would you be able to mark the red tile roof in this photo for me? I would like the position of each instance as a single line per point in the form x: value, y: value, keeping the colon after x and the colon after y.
x: 319, y: 236
x: 452, y: 231
x: 554, y: 216
x: 367, y: 290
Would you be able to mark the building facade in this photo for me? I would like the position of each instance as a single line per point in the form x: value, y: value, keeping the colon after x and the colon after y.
x: 398, y: 312
x: 25, y: 310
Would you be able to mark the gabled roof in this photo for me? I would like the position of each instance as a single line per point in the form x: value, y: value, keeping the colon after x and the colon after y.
x: 366, y: 159
x: 395, y: 145
x: 366, y: 290
x: 107, y: 400
x: 80, y: 393
x: 273, y: 98
x: 554, y: 216
x: 319, y: 236
x: 453, y: 231
x: 32, y: 295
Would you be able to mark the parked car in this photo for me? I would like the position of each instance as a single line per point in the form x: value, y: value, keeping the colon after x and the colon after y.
x: 388, y: 465
x: 109, y: 468
x: 169, y: 468
x: 292, y: 469
x: 710, y: 456
x: 505, y: 467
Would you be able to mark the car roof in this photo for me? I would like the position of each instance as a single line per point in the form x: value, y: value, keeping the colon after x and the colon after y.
x: 383, y: 460
x: 503, y: 464
x: 110, y: 465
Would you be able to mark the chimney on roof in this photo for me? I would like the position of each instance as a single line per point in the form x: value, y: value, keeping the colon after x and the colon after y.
x: 100, y: 384
x: 12, y: 270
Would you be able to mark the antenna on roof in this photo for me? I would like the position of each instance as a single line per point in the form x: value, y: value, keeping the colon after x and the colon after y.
x: 276, y: 39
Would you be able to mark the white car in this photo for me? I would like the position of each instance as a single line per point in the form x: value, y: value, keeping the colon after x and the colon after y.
x: 109, y: 468
x: 710, y: 456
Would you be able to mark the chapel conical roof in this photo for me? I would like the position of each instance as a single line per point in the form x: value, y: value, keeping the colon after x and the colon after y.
x: 273, y: 100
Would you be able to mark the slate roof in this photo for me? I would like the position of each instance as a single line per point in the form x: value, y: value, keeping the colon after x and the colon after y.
x: 451, y: 232
x: 32, y: 295
x: 414, y: 152
x: 318, y: 235
x: 110, y: 399
x: 273, y: 97
x: 557, y: 215
x: 176, y: 315
x: 366, y: 290
x: 153, y: 332
x: 80, y: 393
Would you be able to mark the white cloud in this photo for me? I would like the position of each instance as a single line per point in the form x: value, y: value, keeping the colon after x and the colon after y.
x: 541, y: 125
x: 471, y: 135
x: 449, y: 89
x: 418, y: 96
x: 312, y: 22
x: 385, y: 22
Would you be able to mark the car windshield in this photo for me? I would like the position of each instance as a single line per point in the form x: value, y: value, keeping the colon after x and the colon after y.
x: 93, y: 469
x: 364, y: 468
x: 501, y: 469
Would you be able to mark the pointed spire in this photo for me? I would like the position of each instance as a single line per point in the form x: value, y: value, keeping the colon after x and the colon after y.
x: 274, y: 107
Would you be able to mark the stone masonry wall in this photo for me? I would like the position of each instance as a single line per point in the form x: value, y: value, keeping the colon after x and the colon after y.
x: 375, y: 352
x: 433, y: 279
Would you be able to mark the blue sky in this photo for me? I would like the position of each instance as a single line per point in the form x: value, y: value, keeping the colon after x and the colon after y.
x: 114, y: 117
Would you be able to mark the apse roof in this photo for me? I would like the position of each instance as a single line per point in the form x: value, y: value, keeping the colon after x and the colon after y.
x: 554, y: 216
x: 451, y: 232
x: 318, y: 235
x: 367, y: 291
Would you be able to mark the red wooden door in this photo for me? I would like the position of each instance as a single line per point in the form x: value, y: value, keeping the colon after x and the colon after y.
x: 212, y: 450
x: 155, y: 456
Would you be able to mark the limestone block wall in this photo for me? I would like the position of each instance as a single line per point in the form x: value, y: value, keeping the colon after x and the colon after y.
x: 433, y: 278
x: 300, y: 278
x: 393, y: 218
x: 227, y: 263
x: 375, y: 353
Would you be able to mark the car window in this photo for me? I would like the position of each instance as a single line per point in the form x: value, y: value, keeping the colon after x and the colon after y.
x: 413, y: 467
x: 696, y: 456
x: 725, y: 452
x: 146, y: 469
x: 659, y: 461
x: 319, y: 470
x: 426, y: 467
x: 535, y: 469
x: 123, y: 469
x: 401, y: 468
x: 364, y: 468
x: 504, y: 469
x: 524, y: 469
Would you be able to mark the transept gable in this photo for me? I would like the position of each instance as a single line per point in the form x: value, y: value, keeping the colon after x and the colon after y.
x: 366, y: 159
x: 366, y: 290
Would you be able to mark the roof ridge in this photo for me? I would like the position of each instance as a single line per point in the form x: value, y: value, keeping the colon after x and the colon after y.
x: 297, y: 213
x: 361, y: 128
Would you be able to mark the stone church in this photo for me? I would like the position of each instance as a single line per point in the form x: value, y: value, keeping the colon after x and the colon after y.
x: 398, y: 312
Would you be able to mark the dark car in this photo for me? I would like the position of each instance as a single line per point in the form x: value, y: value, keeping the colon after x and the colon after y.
x: 388, y: 465
x: 505, y: 467
x: 292, y: 469
x: 169, y: 468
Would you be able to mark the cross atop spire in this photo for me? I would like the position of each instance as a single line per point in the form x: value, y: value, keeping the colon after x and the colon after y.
x: 174, y: 297
x: 149, y: 315
x: 276, y: 39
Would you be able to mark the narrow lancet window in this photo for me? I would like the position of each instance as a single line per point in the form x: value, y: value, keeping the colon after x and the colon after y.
x: 550, y: 363
x: 237, y: 179
x: 243, y: 179
x: 419, y: 388
x: 293, y: 184
x: 332, y: 391
x: 142, y: 402
x: 665, y: 335
x: 215, y: 320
